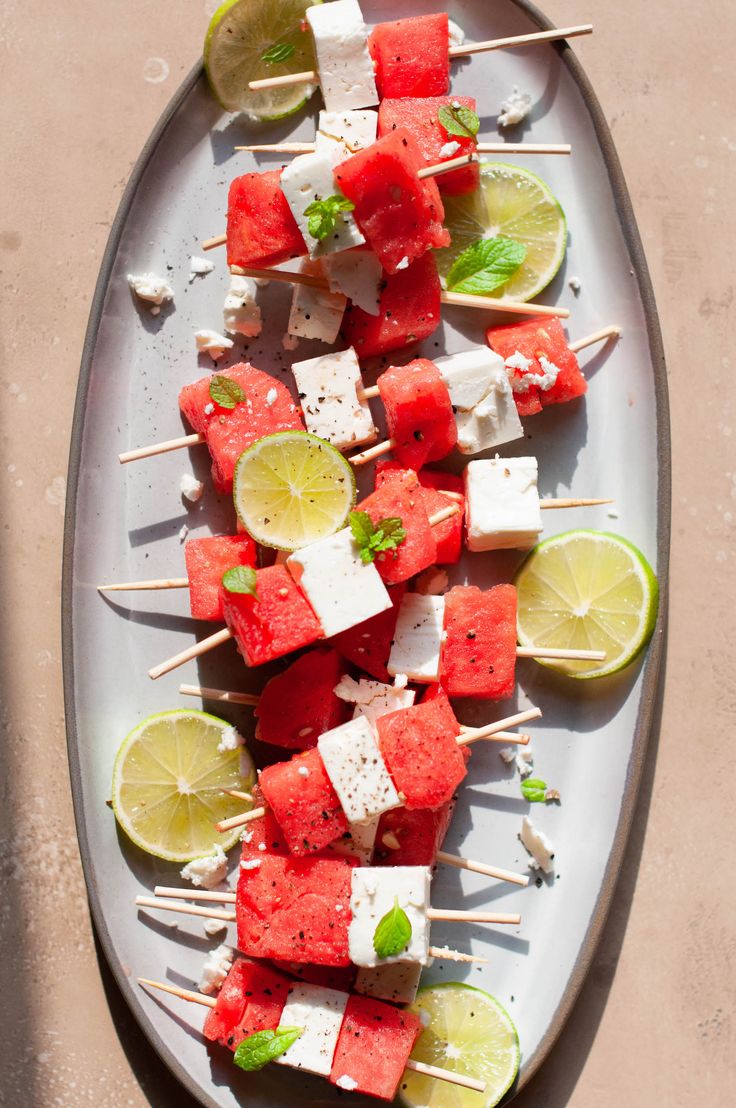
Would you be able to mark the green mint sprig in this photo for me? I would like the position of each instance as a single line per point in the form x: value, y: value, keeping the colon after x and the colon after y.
x: 534, y: 790
x: 486, y: 265
x: 322, y: 215
x: 241, y: 579
x: 459, y: 120
x: 262, y: 1047
x: 393, y: 932
x: 373, y: 538
x: 226, y: 392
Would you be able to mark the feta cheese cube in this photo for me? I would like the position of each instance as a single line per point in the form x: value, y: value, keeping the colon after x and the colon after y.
x: 502, y: 504
x: 315, y: 313
x: 359, y: 841
x: 342, y: 589
x: 241, y: 314
x: 373, y: 699
x: 320, y: 1012
x: 341, y: 44
x: 418, y: 638
x: 373, y: 893
x: 357, y: 274
x: 328, y: 392
x: 394, y: 981
x: 341, y: 134
x: 306, y: 179
x: 538, y: 845
x: 355, y: 766
x: 485, y: 410
x: 211, y: 343
x: 190, y: 488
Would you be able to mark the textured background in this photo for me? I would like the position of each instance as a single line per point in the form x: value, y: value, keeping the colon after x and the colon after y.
x: 81, y: 92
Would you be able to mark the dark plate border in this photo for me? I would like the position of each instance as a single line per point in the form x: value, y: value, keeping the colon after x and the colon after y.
x: 652, y: 665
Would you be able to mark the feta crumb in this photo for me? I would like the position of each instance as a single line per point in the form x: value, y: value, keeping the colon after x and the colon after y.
x: 211, y: 343
x: 190, y: 488
x: 514, y: 108
x: 209, y: 409
x: 525, y: 762
x: 271, y: 397
x: 247, y: 836
x: 183, y: 532
x: 403, y: 264
x: 207, y: 872
x: 241, y: 315
x: 262, y: 847
x: 518, y: 361
x: 575, y: 285
x: 303, y: 771
x: 432, y: 582
x: 544, y: 380
x: 449, y: 149
x: 539, y: 846
x: 508, y: 755
x: 215, y: 969
x: 213, y: 927
x: 230, y: 740
x: 347, y: 1082
x: 149, y: 287
x: 400, y: 681
x: 198, y: 267
x: 456, y: 33
x: 250, y: 863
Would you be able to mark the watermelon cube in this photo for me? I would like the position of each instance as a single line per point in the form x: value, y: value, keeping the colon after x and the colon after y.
x: 295, y: 909
x: 420, y: 750
x: 479, y: 651
x: 536, y: 340
x: 263, y: 834
x: 420, y: 116
x: 303, y: 802
x: 261, y: 230
x: 429, y: 486
x: 251, y: 999
x: 206, y: 561
x: 373, y: 1047
x: 412, y: 56
x: 368, y: 644
x: 408, y: 837
x: 399, y: 213
x: 198, y: 407
x: 408, y: 311
x: 272, y: 623
x: 419, y: 548
x: 298, y: 705
x: 418, y: 412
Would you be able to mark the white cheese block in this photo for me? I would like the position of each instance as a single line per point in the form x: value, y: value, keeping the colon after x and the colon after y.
x: 341, y: 134
x: 320, y: 1012
x: 538, y: 845
x: 241, y: 314
x: 502, y: 504
x: 485, y: 410
x: 359, y: 842
x: 341, y: 589
x: 306, y: 179
x: 418, y: 638
x: 356, y: 768
x: 373, y: 892
x: 468, y: 375
x: 328, y: 393
x: 393, y: 981
x: 315, y: 313
x: 346, y: 73
x: 357, y: 274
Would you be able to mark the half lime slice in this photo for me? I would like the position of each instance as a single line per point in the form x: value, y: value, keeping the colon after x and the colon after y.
x: 587, y: 590
x: 168, y: 781
x: 466, y: 1031
x: 240, y: 34
x: 291, y: 489
x: 518, y: 205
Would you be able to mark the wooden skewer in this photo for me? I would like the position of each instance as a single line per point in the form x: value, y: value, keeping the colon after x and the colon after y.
x: 219, y: 694
x: 597, y: 336
x: 481, y: 867
x: 161, y: 448
x: 173, y: 892
x: 481, y: 148
x: 574, y: 502
x: 239, y: 795
x: 185, y: 909
x: 310, y: 76
x: 418, y: 1067
x: 161, y: 583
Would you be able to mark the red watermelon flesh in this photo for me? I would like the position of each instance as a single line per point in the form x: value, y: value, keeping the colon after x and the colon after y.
x: 540, y: 338
x: 274, y: 622
x: 329, y: 977
x: 373, y: 1046
x: 479, y: 651
x: 419, y: 833
x: 368, y: 644
x: 399, y: 213
x: 206, y: 561
x: 304, y: 803
x: 298, y: 705
x: 262, y: 835
x: 421, y: 753
x: 419, y: 548
x: 420, y: 116
x: 418, y: 412
x: 295, y: 909
x: 412, y: 56
x: 251, y: 999
x: 198, y: 407
x: 427, y: 485
x: 261, y: 230
x: 409, y: 311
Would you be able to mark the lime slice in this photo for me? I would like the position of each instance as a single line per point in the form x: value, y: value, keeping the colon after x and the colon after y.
x: 587, y: 590
x: 239, y: 34
x: 291, y: 489
x: 468, y: 1032
x: 168, y: 780
x: 519, y: 205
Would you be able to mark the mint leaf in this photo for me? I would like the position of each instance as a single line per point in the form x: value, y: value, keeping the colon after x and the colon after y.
x: 262, y: 1047
x: 322, y: 215
x: 281, y: 52
x: 241, y: 579
x: 226, y: 392
x: 486, y: 265
x: 534, y: 790
x: 373, y: 538
x: 393, y: 933
x: 459, y: 121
